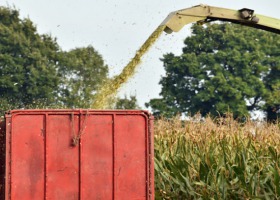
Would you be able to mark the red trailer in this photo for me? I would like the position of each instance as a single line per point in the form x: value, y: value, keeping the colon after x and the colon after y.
x: 78, y: 154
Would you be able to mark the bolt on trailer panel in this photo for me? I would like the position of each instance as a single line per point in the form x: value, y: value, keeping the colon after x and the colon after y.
x: 79, y: 155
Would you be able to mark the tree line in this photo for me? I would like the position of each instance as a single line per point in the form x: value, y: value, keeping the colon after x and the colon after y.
x: 36, y: 72
x: 223, y: 68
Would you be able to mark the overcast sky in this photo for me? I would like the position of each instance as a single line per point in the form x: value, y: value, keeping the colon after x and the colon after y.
x: 117, y: 28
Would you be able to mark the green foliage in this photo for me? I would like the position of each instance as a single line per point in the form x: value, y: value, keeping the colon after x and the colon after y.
x: 36, y: 73
x: 223, y: 67
x: 127, y: 103
x: 82, y: 71
x: 28, y: 62
x: 204, y: 160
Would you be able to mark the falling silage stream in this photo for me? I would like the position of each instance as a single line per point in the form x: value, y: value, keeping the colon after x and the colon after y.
x: 111, y: 87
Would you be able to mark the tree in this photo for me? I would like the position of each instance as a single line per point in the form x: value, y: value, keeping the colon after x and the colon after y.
x: 35, y: 72
x: 82, y: 71
x: 127, y: 103
x: 28, y: 62
x: 224, y: 67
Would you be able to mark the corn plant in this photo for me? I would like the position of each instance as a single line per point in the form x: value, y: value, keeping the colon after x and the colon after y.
x: 216, y: 159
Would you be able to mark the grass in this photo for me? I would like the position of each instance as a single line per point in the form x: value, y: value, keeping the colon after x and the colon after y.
x: 216, y: 159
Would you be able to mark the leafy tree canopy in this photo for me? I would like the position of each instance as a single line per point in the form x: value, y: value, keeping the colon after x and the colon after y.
x: 35, y: 72
x: 28, y: 61
x: 82, y: 71
x: 127, y: 103
x: 224, y: 67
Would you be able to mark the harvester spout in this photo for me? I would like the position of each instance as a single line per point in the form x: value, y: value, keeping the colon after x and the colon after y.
x: 201, y: 14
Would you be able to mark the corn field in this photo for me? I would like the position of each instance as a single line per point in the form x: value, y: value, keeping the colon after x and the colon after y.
x: 216, y: 159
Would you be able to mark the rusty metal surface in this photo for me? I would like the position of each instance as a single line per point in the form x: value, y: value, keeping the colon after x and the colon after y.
x: 113, y: 158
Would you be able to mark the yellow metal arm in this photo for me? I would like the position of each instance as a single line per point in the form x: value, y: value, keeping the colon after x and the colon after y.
x: 204, y: 13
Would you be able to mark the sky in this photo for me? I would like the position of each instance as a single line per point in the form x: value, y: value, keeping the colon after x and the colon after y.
x: 118, y: 28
